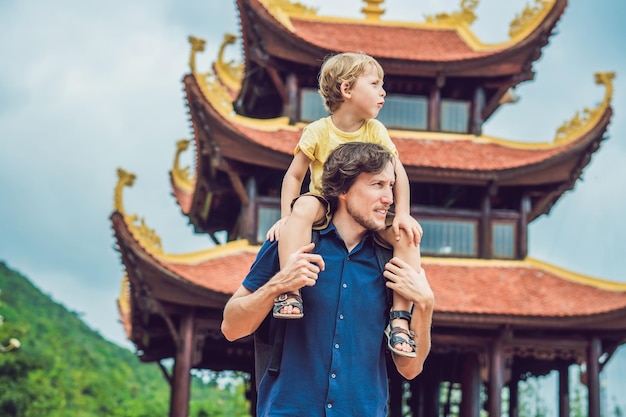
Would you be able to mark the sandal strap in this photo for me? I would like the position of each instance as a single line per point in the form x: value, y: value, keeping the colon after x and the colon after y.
x: 396, y: 330
x: 400, y: 314
x: 286, y: 296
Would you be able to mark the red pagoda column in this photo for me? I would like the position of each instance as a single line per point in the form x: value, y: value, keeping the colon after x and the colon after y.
x: 179, y: 402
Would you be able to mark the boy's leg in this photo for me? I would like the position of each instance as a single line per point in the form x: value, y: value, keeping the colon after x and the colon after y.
x: 410, y: 254
x: 296, y: 232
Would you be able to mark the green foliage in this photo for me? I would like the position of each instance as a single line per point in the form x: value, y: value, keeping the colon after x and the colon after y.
x: 65, y: 369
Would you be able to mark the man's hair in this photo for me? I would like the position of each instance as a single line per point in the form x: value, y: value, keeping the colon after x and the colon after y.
x: 336, y: 69
x: 346, y: 162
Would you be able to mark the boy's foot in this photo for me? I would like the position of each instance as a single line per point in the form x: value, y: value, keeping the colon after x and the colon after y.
x: 288, y: 306
x: 400, y: 338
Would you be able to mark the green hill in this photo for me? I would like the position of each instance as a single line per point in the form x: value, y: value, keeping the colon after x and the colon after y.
x: 65, y: 369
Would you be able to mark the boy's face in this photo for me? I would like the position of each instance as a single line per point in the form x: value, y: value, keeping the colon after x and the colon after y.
x: 367, y: 95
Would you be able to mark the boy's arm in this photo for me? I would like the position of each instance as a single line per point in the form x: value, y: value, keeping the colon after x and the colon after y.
x: 292, y: 182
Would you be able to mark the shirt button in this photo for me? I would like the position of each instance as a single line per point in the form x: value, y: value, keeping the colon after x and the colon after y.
x: 336, y: 345
x: 345, y: 285
x: 333, y: 376
x: 329, y: 405
x: 341, y: 317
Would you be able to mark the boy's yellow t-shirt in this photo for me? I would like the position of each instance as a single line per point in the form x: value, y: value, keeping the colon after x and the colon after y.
x: 321, y: 137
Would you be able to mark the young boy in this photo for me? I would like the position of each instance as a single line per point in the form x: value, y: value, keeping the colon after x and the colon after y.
x: 351, y: 85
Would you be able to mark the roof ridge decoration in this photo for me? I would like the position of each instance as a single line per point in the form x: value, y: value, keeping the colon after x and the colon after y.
x: 522, y: 25
x: 526, y: 18
x: 180, y: 175
x: 372, y: 10
x: 283, y: 9
x: 229, y: 72
x: 465, y: 17
x: 573, y: 128
x: 219, y: 97
x: 137, y: 226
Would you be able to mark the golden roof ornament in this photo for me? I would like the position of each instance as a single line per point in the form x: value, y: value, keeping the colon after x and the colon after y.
x: 282, y: 9
x: 528, y: 17
x: 372, y: 9
x: 464, y: 17
x: 573, y: 128
x: 146, y: 237
x: 197, y: 45
x: 229, y: 72
x: 180, y: 175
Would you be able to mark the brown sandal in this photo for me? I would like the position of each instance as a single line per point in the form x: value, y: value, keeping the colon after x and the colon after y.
x: 283, y: 301
x: 393, y: 334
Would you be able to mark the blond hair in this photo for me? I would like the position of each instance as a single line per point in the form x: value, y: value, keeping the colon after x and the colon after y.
x: 340, y: 68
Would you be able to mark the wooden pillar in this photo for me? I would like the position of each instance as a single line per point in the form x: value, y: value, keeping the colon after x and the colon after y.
x: 478, y: 107
x: 514, y: 397
x: 593, y: 376
x: 434, y: 109
x: 522, y: 227
x: 416, y: 399
x: 181, y: 381
x: 395, y: 395
x: 290, y: 108
x: 485, y: 239
x: 563, y: 390
x: 496, y: 378
x: 470, y: 386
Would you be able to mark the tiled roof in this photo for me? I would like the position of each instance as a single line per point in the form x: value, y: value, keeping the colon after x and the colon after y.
x: 460, y: 153
x: 510, y: 288
x: 407, y: 43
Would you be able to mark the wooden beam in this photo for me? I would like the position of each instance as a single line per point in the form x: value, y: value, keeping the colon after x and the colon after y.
x: 564, y: 390
x: 470, y: 386
x: 593, y: 376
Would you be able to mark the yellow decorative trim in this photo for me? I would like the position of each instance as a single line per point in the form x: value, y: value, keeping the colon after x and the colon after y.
x: 530, y: 262
x: 230, y: 73
x: 463, y: 18
x: 197, y: 45
x: 220, y: 251
x: 580, y: 124
x: 459, y: 21
x: 283, y: 9
x: 146, y: 237
x: 219, y: 97
x: 123, y: 301
x: 180, y: 175
x: 528, y: 19
x: 578, y: 278
x: 372, y: 10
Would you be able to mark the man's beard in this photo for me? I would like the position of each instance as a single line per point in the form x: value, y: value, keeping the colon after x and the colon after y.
x: 368, y: 224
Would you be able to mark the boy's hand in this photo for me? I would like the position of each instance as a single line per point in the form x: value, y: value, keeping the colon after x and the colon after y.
x: 411, y: 226
x: 274, y: 232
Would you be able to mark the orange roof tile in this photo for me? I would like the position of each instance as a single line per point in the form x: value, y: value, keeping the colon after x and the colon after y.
x: 512, y: 288
x: 414, y: 44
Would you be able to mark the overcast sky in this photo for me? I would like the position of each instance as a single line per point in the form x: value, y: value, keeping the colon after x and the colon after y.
x: 89, y: 86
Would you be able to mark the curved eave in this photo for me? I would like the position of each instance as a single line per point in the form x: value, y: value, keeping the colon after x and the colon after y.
x: 453, y: 51
x: 427, y: 156
x: 469, y: 292
x: 169, y: 280
x: 182, y: 194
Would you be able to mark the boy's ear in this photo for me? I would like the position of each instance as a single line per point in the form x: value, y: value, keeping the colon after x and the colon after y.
x: 346, y: 90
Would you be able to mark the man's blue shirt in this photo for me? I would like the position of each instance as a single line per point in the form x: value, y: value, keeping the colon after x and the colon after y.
x: 333, y: 361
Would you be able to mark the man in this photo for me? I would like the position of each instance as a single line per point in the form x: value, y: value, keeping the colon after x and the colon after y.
x: 333, y: 361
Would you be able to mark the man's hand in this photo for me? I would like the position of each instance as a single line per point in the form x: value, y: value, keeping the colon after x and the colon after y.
x: 411, y: 226
x: 404, y: 280
x: 301, y: 270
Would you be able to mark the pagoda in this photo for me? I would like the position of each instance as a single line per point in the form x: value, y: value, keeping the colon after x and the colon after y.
x: 500, y: 315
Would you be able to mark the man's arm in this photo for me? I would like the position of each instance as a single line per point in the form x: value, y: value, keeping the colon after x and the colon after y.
x: 413, y: 285
x: 245, y: 310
